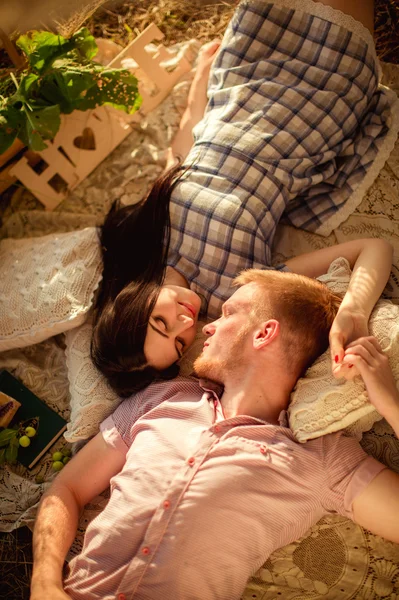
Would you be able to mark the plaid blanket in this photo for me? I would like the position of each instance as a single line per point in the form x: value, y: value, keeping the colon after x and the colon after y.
x: 296, y: 124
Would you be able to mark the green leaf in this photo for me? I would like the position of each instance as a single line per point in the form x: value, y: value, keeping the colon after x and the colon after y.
x: 6, y: 435
x: 117, y: 88
x: 30, y: 136
x: 73, y: 87
x: 27, y: 87
x: 46, y: 121
x: 40, y: 125
x: 2, y: 456
x: 11, y: 121
x: 11, y: 454
x: 85, y: 43
x: 50, y: 92
x: 42, y: 47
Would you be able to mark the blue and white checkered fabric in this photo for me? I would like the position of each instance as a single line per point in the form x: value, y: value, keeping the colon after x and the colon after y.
x: 295, y: 119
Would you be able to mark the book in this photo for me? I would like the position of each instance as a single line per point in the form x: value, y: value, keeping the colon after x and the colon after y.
x: 51, y: 425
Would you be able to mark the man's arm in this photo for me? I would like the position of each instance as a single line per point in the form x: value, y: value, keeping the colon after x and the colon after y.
x: 83, y: 478
x: 377, y: 507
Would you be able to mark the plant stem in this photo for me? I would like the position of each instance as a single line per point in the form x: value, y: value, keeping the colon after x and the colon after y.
x: 14, y: 80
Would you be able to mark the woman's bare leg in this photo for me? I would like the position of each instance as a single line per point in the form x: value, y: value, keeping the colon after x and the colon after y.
x: 196, y: 104
x: 361, y: 10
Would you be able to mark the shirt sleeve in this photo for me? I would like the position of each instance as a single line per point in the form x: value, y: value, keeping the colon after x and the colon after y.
x: 116, y: 429
x: 348, y: 471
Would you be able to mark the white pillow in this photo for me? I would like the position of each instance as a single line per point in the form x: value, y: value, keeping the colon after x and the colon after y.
x: 47, y: 285
x: 321, y: 404
x: 91, y: 397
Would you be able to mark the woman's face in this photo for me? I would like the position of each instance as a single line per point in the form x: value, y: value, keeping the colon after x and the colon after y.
x: 172, y: 325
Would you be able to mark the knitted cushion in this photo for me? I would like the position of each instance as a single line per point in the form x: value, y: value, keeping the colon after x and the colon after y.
x: 47, y: 285
x: 321, y: 404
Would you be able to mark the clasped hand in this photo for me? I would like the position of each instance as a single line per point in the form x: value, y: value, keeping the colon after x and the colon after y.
x: 362, y: 355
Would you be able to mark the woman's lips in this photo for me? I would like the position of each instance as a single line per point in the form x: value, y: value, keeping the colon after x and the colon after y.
x: 190, y: 308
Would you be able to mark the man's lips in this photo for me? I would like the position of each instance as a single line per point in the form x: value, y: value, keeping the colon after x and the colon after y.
x: 190, y: 308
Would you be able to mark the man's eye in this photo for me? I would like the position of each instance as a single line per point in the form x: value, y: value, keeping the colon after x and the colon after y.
x: 162, y: 321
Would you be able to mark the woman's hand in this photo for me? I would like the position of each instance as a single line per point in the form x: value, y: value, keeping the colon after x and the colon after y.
x: 368, y: 359
x: 348, y: 325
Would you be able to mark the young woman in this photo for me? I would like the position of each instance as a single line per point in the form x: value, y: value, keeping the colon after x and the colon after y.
x: 295, y: 123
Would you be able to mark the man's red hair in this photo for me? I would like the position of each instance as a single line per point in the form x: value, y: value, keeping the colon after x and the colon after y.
x: 304, y: 307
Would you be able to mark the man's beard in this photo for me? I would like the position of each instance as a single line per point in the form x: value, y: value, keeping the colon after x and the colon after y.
x: 210, y: 368
x: 216, y: 369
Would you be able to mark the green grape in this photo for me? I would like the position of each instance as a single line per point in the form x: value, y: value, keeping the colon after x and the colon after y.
x: 58, y: 465
x: 30, y: 431
x: 57, y: 456
x: 39, y: 479
x: 66, y: 460
x: 66, y: 452
x: 24, y: 441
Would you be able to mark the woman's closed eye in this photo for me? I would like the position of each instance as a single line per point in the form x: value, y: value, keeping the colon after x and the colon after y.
x: 180, y: 343
x: 162, y: 322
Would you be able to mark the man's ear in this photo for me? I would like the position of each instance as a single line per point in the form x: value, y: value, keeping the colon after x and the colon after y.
x: 266, y: 333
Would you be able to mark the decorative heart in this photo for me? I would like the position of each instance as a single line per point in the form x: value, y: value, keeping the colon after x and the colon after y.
x: 86, y: 141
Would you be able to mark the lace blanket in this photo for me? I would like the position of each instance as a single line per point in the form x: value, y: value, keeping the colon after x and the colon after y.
x: 337, y: 559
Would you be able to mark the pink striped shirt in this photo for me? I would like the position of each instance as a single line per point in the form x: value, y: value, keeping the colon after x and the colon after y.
x: 202, y: 501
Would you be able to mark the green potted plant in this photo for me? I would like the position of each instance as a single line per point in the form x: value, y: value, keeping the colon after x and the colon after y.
x: 57, y: 76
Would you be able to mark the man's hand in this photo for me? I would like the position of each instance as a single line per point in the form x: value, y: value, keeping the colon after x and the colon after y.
x: 348, y: 326
x: 365, y: 357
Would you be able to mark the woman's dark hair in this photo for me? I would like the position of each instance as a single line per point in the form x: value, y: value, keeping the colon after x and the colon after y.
x: 135, y: 242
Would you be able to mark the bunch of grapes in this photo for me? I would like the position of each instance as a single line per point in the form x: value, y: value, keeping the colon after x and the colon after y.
x: 18, y: 437
x: 60, y: 459
x: 28, y: 433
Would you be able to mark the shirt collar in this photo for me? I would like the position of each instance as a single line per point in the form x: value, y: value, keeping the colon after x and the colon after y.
x: 216, y: 389
x: 211, y: 386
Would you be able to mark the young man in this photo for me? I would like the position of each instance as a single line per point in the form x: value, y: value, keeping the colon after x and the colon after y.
x: 204, y: 484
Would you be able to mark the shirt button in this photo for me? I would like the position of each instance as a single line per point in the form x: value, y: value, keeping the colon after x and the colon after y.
x: 217, y: 428
x: 145, y: 550
x: 191, y: 461
x: 263, y: 449
x: 166, y: 504
x: 121, y: 597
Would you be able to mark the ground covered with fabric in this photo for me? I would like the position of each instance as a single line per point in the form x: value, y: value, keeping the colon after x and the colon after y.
x: 22, y: 215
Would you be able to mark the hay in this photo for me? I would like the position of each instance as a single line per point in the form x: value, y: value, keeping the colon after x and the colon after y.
x: 178, y: 21
x: 387, y: 30
x: 121, y: 21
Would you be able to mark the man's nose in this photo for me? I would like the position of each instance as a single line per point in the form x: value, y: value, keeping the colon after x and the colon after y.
x: 209, y: 328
